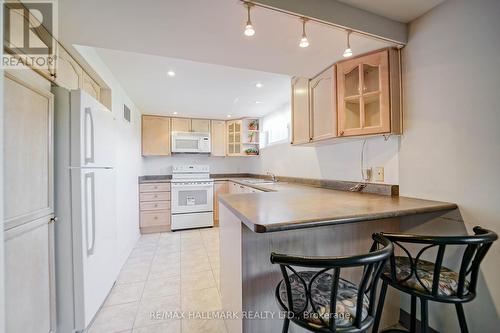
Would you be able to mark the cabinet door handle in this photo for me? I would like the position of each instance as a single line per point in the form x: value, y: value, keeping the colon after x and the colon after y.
x: 341, y: 133
x: 53, y: 220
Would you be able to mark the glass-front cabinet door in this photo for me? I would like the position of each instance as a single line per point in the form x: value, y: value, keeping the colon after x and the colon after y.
x: 363, y: 95
x: 234, y: 137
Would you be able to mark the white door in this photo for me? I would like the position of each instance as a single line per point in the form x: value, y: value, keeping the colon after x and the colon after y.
x: 95, y: 239
x: 92, y: 132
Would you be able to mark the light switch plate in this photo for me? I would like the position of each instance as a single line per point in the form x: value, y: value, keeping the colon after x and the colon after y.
x: 378, y: 174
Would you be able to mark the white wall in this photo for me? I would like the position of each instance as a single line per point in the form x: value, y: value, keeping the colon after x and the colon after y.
x: 128, y: 157
x: 450, y: 150
x: 163, y: 165
x: 338, y: 160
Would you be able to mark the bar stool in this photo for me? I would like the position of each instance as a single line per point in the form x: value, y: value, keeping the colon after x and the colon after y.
x: 310, y: 298
x: 431, y: 281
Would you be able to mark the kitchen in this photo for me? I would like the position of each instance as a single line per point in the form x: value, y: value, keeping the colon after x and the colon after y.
x: 155, y: 169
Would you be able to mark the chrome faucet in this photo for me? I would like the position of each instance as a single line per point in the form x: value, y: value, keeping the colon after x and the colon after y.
x: 273, y: 176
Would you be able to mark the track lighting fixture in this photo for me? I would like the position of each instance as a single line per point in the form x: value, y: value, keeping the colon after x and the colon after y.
x: 249, y: 30
x: 303, y: 41
x: 348, y: 51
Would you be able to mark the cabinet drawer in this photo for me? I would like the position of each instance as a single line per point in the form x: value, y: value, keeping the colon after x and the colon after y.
x: 155, y: 218
x: 155, y: 196
x: 155, y: 205
x: 155, y: 187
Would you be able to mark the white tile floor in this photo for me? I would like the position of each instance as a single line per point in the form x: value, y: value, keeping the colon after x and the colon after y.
x: 165, y: 272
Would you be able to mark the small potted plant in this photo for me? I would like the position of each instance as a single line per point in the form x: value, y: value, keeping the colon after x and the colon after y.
x: 253, y: 125
x: 251, y: 136
x: 252, y: 151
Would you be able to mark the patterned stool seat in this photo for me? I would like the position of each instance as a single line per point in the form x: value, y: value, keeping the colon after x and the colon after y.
x: 345, y: 311
x: 448, y: 279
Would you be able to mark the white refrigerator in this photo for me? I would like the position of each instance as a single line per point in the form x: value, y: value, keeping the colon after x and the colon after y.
x: 86, y: 229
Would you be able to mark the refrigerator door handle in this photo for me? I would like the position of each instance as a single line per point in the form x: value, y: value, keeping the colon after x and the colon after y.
x: 91, y: 158
x: 90, y: 177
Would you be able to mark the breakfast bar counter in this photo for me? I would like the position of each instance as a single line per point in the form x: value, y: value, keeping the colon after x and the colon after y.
x: 303, y: 220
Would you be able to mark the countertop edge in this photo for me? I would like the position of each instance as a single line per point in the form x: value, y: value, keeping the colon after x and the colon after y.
x: 312, y: 223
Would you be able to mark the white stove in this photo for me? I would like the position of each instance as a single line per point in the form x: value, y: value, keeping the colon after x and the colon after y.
x: 192, y: 197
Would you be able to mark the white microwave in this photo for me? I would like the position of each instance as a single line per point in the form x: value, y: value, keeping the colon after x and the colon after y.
x: 190, y: 142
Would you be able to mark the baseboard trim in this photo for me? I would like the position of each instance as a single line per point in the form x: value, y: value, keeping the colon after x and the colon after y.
x: 405, y: 319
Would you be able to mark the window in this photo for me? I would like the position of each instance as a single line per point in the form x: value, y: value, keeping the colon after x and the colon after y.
x: 276, y: 126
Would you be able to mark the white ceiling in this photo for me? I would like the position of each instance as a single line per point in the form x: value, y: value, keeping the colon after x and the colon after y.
x: 194, y: 37
x: 198, y: 89
x: 398, y: 10
x: 205, y: 31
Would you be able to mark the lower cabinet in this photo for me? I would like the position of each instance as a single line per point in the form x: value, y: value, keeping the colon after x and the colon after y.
x: 29, y: 277
x: 220, y: 187
x: 238, y: 188
x: 154, y: 207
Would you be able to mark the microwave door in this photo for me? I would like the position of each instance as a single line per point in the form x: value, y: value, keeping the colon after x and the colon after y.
x: 186, y: 145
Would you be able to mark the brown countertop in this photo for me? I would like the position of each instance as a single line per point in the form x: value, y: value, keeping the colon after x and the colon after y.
x: 286, y: 206
x: 168, y: 178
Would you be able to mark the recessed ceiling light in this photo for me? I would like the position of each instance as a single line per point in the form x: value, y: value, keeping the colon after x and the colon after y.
x: 176, y: 112
x: 229, y: 116
x: 171, y: 73
x: 258, y: 102
x: 258, y: 85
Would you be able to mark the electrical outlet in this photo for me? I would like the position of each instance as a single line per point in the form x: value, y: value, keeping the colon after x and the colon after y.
x: 378, y: 174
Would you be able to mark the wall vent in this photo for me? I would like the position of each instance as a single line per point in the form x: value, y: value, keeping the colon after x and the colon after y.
x: 126, y: 113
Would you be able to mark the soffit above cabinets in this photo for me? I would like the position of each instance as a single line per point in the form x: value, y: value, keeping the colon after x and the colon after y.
x: 401, y: 11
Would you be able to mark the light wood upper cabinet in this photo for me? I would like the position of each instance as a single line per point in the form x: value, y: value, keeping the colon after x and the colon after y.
x: 234, y: 130
x: 91, y: 86
x: 323, y: 105
x: 69, y: 74
x: 28, y: 152
x: 200, y: 125
x: 181, y: 125
x: 218, y: 137
x: 155, y: 136
x: 24, y: 23
x: 301, y: 132
x: 190, y: 125
x: 368, y: 94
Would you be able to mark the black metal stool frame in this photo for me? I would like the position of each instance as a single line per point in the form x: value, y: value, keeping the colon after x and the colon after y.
x: 476, y: 247
x: 372, y: 263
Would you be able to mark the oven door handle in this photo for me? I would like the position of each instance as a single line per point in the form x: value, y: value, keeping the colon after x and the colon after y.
x: 192, y: 185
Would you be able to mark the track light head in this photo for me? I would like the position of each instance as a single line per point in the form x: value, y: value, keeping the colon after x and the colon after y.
x: 348, y: 51
x: 304, y: 42
x: 249, y: 29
